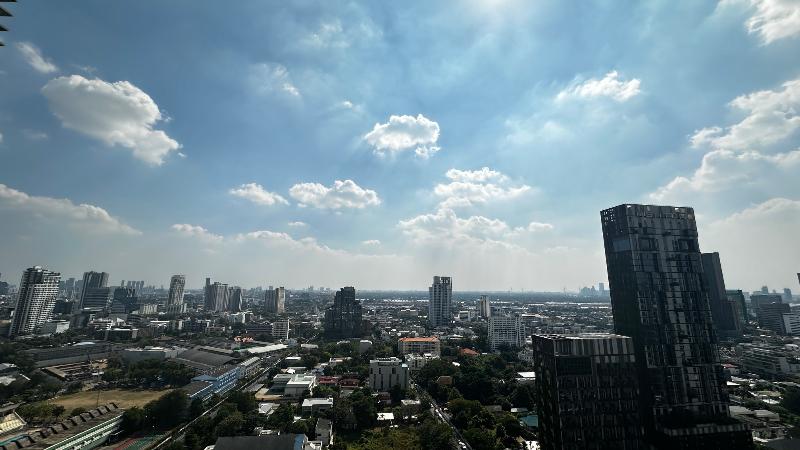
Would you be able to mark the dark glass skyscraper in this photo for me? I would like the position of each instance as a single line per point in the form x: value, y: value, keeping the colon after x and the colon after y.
x: 343, y: 318
x: 723, y: 311
x: 659, y: 298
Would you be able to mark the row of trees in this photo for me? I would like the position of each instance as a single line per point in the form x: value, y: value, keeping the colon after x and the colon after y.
x: 150, y: 372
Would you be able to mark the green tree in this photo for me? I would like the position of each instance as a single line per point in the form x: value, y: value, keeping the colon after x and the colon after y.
x: 791, y: 400
x: 196, y: 408
x: 77, y: 412
x: 133, y: 419
x: 480, y: 439
x: 434, y: 435
x: 231, y: 425
x: 364, y: 408
x: 245, y: 401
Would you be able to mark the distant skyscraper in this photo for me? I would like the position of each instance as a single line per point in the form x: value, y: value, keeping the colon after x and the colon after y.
x: 484, y: 307
x: 587, y: 392
x: 737, y: 296
x: 275, y: 300
x: 506, y: 330
x: 440, y: 302
x: 343, y: 317
x: 235, y: 299
x: 36, y: 298
x: 602, y: 288
x: 787, y: 295
x: 97, y: 297
x: 658, y: 298
x: 125, y: 300
x: 770, y: 314
x: 722, y: 310
x: 92, y: 280
x: 216, y: 296
x: 176, y: 285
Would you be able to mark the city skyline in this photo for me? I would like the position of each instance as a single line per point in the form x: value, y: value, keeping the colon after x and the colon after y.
x: 408, y: 144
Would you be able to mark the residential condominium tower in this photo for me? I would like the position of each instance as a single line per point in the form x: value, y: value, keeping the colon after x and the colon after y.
x: 343, y: 317
x: 440, y: 302
x: 176, y: 285
x: 91, y: 297
x: 36, y: 298
x: 275, y: 300
x: 216, y: 296
x: 587, y: 391
x: 660, y: 300
x: 724, y: 312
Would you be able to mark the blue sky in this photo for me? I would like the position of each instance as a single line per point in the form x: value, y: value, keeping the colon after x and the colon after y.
x: 378, y: 144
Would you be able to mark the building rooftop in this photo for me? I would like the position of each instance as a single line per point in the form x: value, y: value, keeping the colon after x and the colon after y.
x: 419, y: 339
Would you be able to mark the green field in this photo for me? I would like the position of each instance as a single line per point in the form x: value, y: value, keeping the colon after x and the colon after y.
x: 123, y: 398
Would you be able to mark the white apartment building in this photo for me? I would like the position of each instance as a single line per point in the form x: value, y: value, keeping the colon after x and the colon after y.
x: 419, y: 346
x: 506, y: 330
x: 387, y: 372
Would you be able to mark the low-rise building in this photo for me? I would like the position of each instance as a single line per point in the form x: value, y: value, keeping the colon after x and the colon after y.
x: 249, y: 367
x: 300, y: 385
x: 313, y: 405
x: 769, y: 362
x: 417, y: 362
x: 419, y: 346
x: 135, y: 355
x: 221, y: 379
x: 385, y: 373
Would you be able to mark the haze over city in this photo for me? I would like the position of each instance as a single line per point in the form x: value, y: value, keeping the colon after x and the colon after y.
x: 373, y: 145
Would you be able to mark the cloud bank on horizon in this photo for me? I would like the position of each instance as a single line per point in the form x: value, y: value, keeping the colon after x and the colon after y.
x: 378, y: 145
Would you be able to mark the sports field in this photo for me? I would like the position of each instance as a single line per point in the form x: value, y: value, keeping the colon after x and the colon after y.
x: 123, y: 398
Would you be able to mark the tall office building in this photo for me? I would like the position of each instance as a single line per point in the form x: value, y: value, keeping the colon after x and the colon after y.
x: 506, y: 330
x: 722, y: 310
x: 770, y: 316
x: 440, y: 302
x: 737, y: 296
x: 235, y: 299
x: 787, y: 295
x: 343, y: 317
x: 216, y: 296
x: 125, y: 301
x: 280, y: 329
x: 587, y: 391
x: 36, y: 298
x: 484, y: 307
x: 94, y: 280
x: 658, y: 298
x: 97, y: 297
x: 275, y: 300
x: 176, y: 285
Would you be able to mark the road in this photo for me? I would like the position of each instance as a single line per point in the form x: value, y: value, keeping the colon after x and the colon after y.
x: 442, y: 416
x: 270, y: 361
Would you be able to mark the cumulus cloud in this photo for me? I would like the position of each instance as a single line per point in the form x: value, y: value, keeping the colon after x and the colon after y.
x: 258, y: 195
x: 196, y: 231
x: 341, y: 195
x: 723, y: 170
x: 473, y: 187
x: 760, y: 232
x: 371, y: 242
x: 273, y: 78
x: 609, y: 86
x: 115, y: 113
x: 446, y: 227
x: 772, y: 20
x: 403, y: 133
x: 297, y: 224
x: 62, y: 209
x: 34, y: 57
x: 536, y: 227
x: 771, y: 117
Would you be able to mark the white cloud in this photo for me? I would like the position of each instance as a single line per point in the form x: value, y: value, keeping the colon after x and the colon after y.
x: 196, y: 231
x: 609, y: 86
x: 257, y: 194
x: 472, y: 187
x: 759, y: 234
x: 445, y: 224
x: 371, y: 242
x: 477, y: 176
x: 273, y: 78
x: 297, y: 224
x: 34, y: 135
x: 35, y: 58
x: 772, y: 116
x: 536, y: 227
x: 62, y: 209
x: 116, y: 113
x: 723, y: 170
x: 343, y: 194
x: 403, y: 133
x: 772, y: 20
